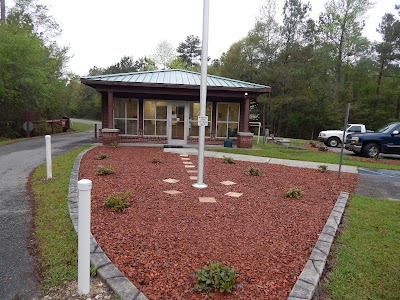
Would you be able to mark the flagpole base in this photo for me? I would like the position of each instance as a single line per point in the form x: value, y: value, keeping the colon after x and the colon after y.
x: 199, y: 186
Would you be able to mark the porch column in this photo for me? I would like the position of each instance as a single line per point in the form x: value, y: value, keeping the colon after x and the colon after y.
x: 246, y: 114
x: 110, y: 111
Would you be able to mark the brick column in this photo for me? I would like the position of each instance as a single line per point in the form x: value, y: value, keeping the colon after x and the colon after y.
x: 109, y: 136
x: 245, y: 140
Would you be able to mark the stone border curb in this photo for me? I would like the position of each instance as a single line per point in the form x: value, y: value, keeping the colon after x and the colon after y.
x: 309, y: 278
x: 106, y: 271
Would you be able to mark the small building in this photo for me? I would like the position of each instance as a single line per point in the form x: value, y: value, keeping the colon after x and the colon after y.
x: 163, y: 106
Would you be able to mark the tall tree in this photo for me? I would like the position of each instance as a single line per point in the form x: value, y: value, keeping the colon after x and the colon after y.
x: 389, y: 49
x: 31, y: 67
x: 189, y: 51
x: 164, y: 54
x: 342, y: 25
x: 125, y: 65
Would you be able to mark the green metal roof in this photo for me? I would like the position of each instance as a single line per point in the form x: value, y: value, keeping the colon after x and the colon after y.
x: 174, y: 77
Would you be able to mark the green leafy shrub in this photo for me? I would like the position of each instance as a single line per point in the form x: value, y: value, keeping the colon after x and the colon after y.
x: 114, y: 144
x: 101, y: 156
x: 156, y: 161
x: 103, y: 171
x: 323, y: 148
x: 314, y: 144
x: 214, y: 277
x: 118, y: 202
x: 93, y: 270
x: 323, y: 168
x: 253, y: 171
x: 293, y: 193
x: 228, y: 160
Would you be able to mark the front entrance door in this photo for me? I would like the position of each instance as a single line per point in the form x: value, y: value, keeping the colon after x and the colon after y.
x: 178, y: 122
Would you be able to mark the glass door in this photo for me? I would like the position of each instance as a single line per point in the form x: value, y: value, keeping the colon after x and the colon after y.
x: 177, y: 113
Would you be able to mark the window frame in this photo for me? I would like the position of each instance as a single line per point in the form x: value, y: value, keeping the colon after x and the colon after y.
x: 155, y: 118
x: 226, y: 122
x: 125, y: 118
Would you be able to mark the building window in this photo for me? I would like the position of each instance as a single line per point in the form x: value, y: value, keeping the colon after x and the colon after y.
x: 194, y: 112
x: 126, y: 116
x: 155, y: 118
x: 227, y: 118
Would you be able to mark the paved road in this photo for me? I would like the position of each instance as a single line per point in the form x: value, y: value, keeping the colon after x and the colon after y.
x: 347, y: 152
x: 379, y: 183
x: 17, y: 272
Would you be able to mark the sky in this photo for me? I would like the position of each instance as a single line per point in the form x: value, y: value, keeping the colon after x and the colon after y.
x: 99, y: 32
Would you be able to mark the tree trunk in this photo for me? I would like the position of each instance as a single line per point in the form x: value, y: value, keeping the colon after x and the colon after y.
x: 3, y: 10
x: 380, y: 76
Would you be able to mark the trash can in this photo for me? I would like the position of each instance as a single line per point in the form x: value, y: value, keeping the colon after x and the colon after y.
x: 228, y: 142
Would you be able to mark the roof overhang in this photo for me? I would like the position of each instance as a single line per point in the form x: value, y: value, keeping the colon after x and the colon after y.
x: 173, y: 84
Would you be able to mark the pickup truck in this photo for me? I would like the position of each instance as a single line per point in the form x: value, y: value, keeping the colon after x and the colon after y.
x: 385, y: 140
x: 332, y: 138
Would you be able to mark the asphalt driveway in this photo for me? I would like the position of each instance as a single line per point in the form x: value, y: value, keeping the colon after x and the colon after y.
x: 379, y: 183
x: 17, y: 271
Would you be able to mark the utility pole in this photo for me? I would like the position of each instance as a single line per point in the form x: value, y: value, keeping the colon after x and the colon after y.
x: 3, y: 10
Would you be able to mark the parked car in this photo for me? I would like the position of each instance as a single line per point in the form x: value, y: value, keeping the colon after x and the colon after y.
x: 332, y: 138
x: 385, y: 140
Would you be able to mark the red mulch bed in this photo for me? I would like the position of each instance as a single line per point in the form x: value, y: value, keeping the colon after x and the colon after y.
x: 161, y: 239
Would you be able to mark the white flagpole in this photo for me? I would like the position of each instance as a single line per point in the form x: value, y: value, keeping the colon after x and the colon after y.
x: 203, y: 97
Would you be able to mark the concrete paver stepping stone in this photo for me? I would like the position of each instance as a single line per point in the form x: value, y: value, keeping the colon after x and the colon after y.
x: 193, y: 177
x: 190, y: 166
x: 173, y: 192
x: 192, y: 171
x: 171, y: 180
x: 187, y: 163
x: 184, y: 155
x: 207, y: 199
x: 185, y: 158
x: 234, y: 194
x: 228, y: 182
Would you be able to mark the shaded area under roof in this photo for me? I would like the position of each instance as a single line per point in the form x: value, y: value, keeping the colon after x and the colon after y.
x: 174, y: 77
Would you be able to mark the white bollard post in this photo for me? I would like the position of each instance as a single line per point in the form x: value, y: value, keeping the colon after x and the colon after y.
x: 48, y: 157
x: 84, y: 191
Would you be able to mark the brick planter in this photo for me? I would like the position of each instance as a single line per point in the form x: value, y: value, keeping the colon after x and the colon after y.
x: 109, y: 136
x: 245, y: 140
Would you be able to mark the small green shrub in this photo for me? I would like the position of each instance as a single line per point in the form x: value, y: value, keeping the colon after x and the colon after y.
x: 118, y: 202
x: 114, y: 144
x: 314, y: 144
x: 323, y: 168
x: 93, y: 270
x: 322, y: 148
x: 228, y: 160
x: 101, y: 156
x: 253, y: 171
x: 293, y: 193
x: 103, y: 171
x: 214, y: 277
x: 156, y: 161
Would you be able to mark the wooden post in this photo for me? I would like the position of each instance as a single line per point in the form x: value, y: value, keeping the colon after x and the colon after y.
x: 246, y: 113
x: 110, y: 111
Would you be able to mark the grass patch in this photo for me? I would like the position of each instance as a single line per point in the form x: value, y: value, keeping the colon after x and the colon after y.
x: 367, y: 264
x: 55, y: 236
x: 273, y: 150
x: 5, y: 141
x: 80, y: 127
